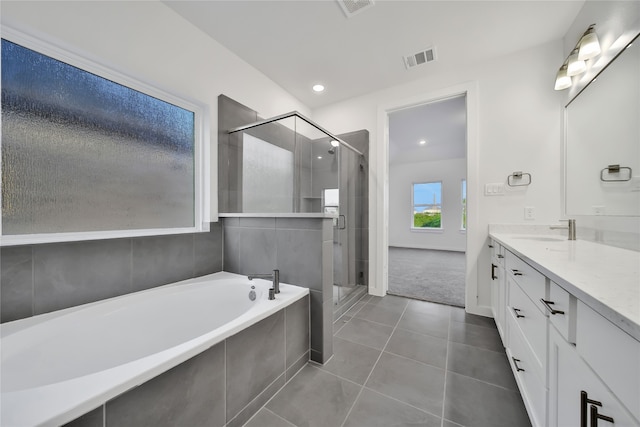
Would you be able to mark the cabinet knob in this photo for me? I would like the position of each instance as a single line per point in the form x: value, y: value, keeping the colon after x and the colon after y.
x: 491, y: 246
x: 548, y: 304
x: 516, y: 272
x: 517, y: 311
x: 500, y: 256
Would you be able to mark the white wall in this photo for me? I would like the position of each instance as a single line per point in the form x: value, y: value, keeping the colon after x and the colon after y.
x: 150, y: 42
x: 401, y: 177
x: 518, y: 129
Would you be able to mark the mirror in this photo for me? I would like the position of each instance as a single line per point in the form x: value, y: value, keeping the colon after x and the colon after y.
x: 602, y: 142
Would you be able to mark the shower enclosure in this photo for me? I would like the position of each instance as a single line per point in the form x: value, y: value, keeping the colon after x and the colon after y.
x: 288, y: 164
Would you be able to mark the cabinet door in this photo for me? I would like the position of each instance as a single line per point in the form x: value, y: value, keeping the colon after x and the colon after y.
x: 569, y: 377
x: 498, y: 299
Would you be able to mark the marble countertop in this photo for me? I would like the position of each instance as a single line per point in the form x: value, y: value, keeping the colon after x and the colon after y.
x: 605, y: 278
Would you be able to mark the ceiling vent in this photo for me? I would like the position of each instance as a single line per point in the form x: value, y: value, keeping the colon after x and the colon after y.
x: 353, y: 7
x: 422, y: 57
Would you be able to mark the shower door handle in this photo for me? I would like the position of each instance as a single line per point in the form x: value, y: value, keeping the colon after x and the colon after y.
x: 344, y: 222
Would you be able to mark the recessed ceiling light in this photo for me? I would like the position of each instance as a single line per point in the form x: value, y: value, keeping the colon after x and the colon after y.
x: 319, y: 157
x: 422, y: 141
x: 334, y: 143
x: 318, y: 88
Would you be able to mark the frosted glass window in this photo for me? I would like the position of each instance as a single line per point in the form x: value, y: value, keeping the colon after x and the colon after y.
x: 267, y: 177
x: 82, y: 153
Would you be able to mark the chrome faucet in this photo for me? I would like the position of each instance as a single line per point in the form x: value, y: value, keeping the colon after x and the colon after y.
x: 571, y: 227
x: 275, y: 278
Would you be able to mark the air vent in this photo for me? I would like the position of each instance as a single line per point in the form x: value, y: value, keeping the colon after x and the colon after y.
x: 353, y: 7
x: 422, y: 57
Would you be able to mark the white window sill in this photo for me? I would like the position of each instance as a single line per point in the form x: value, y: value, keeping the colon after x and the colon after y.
x: 427, y: 230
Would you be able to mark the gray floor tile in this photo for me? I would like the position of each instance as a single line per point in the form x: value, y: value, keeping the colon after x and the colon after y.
x: 266, y: 418
x: 375, y: 410
x: 447, y: 423
x: 423, y: 348
x: 409, y: 381
x: 475, y: 403
x: 338, y: 324
x: 366, y: 333
x: 479, y: 336
x: 387, y: 315
x: 351, y: 361
x: 481, y: 364
x: 459, y: 315
x: 425, y: 307
x: 355, y: 308
x: 431, y: 324
x: 389, y: 301
x: 315, y: 398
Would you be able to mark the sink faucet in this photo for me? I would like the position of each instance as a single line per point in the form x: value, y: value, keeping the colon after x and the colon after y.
x: 571, y: 227
x: 275, y: 277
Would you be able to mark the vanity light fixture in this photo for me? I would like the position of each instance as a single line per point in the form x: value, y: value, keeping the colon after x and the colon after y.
x: 575, y: 66
x: 563, y: 81
x: 589, y: 44
x: 318, y: 88
x: 588, y: 47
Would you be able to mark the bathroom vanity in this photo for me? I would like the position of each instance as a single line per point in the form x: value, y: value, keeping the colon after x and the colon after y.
x: 568, y: 313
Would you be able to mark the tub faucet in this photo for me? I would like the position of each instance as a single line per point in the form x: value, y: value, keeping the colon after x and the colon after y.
x: 275, y: 278
x: 571, y: 227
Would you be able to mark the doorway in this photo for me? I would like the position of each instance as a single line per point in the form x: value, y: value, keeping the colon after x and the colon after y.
x: 427, y: 219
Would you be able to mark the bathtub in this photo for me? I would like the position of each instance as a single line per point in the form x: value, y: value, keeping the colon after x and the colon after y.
x: 60, y: 365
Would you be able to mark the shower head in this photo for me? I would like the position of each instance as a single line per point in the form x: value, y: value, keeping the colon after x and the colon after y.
x: 332, y: 150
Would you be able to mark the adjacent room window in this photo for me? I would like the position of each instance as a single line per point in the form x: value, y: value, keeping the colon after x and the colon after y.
x: 427, y: 205
x: 464, y: 204
x: 82, y: 153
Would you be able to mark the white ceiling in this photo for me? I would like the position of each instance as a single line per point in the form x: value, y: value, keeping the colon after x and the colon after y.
x: 299, y: 43
x: 442, y: 124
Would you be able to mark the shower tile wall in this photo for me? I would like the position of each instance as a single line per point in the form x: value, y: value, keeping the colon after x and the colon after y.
x: 38, y: 279
x: 301, y: 248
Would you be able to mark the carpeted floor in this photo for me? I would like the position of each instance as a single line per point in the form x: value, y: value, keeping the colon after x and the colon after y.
x: 429, y: 275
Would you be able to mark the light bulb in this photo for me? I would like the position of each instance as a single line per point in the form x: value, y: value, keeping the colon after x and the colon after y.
x: 334, y: 143
x: 575, y: 66
x: 563, y: 81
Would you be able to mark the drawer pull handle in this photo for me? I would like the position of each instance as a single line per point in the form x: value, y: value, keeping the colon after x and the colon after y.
x: 515, y: 363
x: 548, y: 304
x: 584, y: 402
x: 516, y: 272
x: 595, y: 416
x: 493, y: 272
x: 517, y: 311
x: 500, y: 256
x: 491, y: 246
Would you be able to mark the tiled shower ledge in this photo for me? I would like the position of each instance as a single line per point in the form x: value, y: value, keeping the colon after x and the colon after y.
x: 277, y: 215
x: 603, y: 277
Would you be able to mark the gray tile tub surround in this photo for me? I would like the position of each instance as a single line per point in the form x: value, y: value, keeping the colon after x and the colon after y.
x: 302, y: 249
x: 42, y: 278
x: 222, y: 386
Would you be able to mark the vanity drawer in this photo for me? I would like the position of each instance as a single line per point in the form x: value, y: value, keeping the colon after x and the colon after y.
x: 612, y: 354
x: 530, y: 380
x: 561, y: 308
x: 530, y: 321
x: 531, y: 280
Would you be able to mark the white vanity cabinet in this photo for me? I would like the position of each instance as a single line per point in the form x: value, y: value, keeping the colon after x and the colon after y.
x: 574, y: 367
x: 498, y: 287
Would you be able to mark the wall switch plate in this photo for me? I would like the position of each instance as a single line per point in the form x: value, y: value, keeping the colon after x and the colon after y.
x: 494, y: 189
x: 598, y: 210
x: 529, y: 213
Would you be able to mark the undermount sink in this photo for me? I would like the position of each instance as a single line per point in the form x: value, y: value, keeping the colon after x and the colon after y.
x: 542, y: 238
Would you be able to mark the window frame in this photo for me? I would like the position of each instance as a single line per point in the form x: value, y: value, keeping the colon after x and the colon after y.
x: 88, y: 63
x: 413, y: 205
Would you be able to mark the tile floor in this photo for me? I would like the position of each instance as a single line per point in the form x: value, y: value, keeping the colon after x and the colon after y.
x: 403, y: 362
